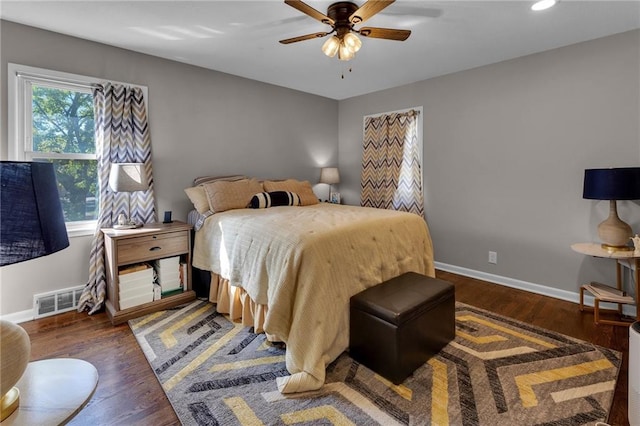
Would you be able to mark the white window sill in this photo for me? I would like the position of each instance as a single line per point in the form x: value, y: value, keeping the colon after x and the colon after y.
x: 81, y: 230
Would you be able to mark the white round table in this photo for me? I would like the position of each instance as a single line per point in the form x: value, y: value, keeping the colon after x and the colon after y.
x: 52, y: 391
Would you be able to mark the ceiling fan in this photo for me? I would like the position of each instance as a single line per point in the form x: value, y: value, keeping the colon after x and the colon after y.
x: 343, y: 17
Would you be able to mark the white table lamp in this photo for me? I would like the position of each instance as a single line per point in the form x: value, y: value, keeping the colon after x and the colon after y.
x: 127, y: 177
x: 330, y: 176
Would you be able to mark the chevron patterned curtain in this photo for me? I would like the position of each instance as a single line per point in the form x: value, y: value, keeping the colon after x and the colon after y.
x: 122, y: 136
x: 391, y: 171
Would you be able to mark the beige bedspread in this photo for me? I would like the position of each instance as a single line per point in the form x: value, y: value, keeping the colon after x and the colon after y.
x: 305, y: 263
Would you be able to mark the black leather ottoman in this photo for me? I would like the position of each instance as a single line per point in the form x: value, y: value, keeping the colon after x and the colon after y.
x: 396, y: 326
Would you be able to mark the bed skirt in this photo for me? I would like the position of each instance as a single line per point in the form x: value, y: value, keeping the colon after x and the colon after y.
x: 236, y: 303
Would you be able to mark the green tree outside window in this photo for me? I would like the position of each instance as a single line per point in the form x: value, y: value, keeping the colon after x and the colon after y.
x: 63, y: 126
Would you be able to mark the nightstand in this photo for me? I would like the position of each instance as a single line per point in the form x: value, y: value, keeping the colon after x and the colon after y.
x: 604, y: 293
x: 155, y: 241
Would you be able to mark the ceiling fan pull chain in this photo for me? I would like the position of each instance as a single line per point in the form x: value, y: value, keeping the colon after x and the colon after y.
x: 342, y: 72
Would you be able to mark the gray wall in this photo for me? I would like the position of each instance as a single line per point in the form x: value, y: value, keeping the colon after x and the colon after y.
x: 202, y: 122
x: 505, y: 148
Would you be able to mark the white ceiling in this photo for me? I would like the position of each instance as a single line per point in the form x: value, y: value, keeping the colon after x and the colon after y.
x: 241, y: 37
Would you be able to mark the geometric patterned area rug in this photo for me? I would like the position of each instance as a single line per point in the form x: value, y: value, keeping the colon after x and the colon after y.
x: 497, y: 371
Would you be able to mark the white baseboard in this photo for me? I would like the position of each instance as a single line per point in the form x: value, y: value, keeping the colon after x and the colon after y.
x: 18, y: 317
x: 531, y: 287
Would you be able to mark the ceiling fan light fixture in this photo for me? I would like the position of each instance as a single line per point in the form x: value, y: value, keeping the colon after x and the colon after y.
x: 342, y: 16
x: 543, y: 5
x: 352, y: 42
x: 331, y: 46
x: 345, y: 53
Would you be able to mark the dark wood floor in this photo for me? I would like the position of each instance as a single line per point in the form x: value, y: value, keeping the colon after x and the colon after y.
x: 128, y: 392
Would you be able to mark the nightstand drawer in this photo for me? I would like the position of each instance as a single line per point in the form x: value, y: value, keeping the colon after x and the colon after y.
x: 152, y: 247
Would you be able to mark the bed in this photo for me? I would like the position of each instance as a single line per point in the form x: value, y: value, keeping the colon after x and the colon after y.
x: 290, y: 270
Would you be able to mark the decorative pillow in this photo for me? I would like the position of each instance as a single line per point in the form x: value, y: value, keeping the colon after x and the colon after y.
x: 227, y: 195
x: 302, y: 188
x: 265, y: 200
x: 199, y: 198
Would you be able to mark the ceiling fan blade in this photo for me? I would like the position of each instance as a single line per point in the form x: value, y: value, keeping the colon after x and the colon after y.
x: 302, y: 38
x: 368, y: 9
x: 386, y: 33
x: 306, y: 9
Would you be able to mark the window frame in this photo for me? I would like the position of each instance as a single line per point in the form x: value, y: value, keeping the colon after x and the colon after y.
x: 20, y: 78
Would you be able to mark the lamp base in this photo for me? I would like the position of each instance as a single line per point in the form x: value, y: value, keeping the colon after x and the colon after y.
x: 612, y: 249
x: 613, y: 232
x: 9, y: 403
x: 127, y: 226
x: 15, y: 350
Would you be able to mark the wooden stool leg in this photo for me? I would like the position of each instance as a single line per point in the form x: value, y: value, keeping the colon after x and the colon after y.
x: 596, y: 310
x: 636, y: 277
x: 619, y: 283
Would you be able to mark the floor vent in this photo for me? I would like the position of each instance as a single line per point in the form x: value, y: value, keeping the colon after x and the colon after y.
x: 56, y: 302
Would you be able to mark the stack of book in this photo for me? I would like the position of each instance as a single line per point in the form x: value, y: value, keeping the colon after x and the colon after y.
x: 608, y: 294
x: 168, y: 271
x: 135, y: 285
x: 183, y: 274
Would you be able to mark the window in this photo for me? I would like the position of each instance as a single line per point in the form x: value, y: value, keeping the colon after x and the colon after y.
x: 51, y: 116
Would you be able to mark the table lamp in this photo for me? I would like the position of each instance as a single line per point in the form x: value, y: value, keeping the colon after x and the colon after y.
x: 613, y: 184
x: 31, y: 225
x: 329, y: 175
x: 127, y: 177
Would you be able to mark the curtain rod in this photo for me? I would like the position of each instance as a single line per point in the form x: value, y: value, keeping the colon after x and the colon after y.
x: 408, y: 111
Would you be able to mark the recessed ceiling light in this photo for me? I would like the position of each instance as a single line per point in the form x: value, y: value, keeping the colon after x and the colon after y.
x: 543, y: 4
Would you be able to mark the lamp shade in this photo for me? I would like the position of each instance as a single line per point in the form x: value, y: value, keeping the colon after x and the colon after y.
x: 31, y: 218
x: 128, y: 177
x: 331, y: 46
x: 345, y: 53
x: 329, y: 175
x: 352, y: 42
x: 612, y: 184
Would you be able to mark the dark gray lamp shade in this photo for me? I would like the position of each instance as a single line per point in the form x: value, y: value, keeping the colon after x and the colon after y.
x: 612, y: 184
x: 31, y: 218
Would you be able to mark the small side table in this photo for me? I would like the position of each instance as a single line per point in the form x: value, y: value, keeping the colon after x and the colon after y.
x: 52, y: 391
x: 616, y: 295
x: 151, y: 242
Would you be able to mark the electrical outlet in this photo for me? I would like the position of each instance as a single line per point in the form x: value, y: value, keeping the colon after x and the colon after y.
x: 493, y: 257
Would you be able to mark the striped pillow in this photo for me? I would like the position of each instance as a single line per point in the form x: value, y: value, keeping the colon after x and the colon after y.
x: 263, y: 200
x: 303, y: 189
